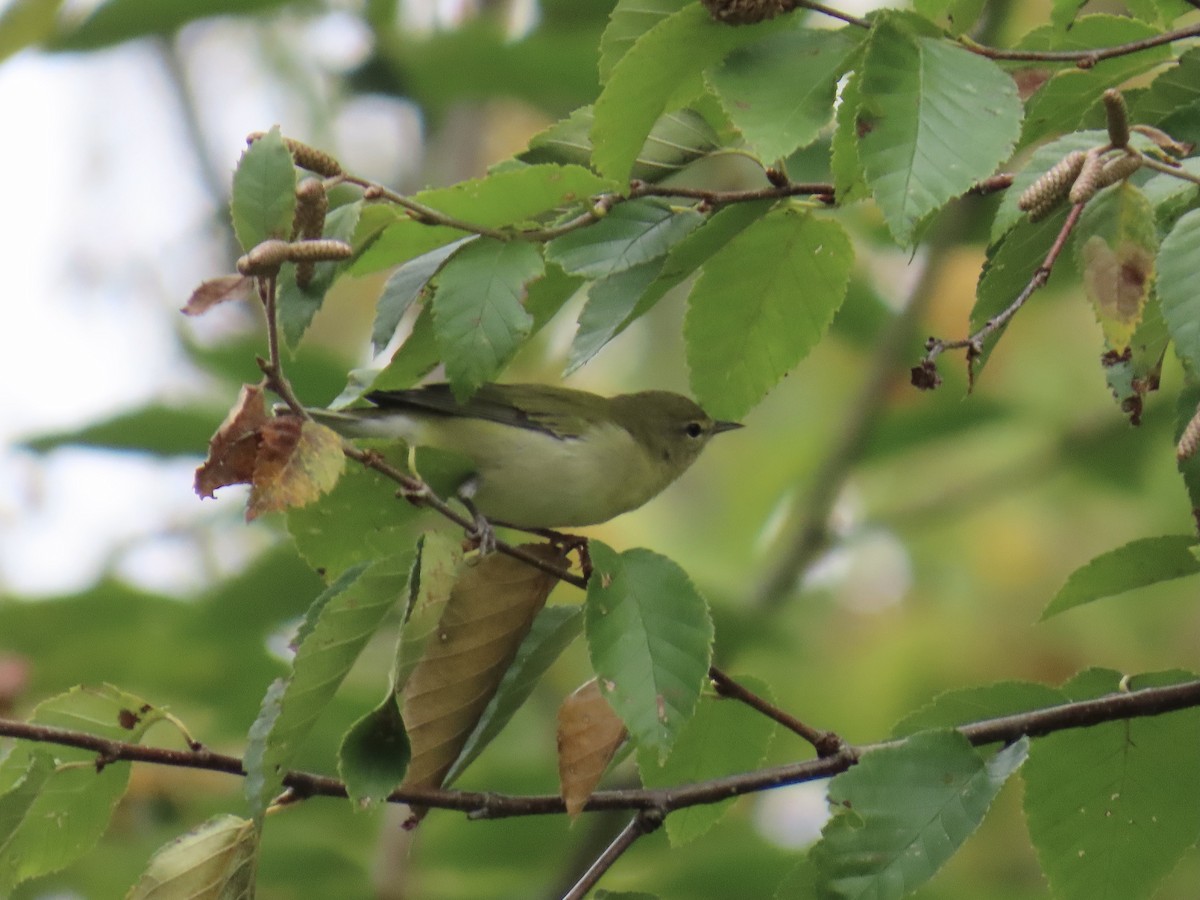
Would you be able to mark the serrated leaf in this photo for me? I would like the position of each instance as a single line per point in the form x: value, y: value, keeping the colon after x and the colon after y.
x: 610, y: 302
x: 215, y: 861
x: 75, y: 802
x: 724, y: 737
x: 348, y: 615
x: 677, y: 139
x: 1113, y: 807
x: 413, y: 359
x: 1061, y: 103
x: 1116, y: 243
x: 478, y: 312
x: 1174, y: 89
x: 588, y: 735
x: 779, y: 92
x: 375, y: 753
x: 903, y: 811
x: 552, y: 632
x: 403, y: 287
x: 18, y: 801
x: 649, y: 637
x: 1134, y: 374
x: 1137, y: 564
x: 632, y: 234
x: 297, y: 305
x: 264, y: 192
x: 920, y: 96
x: 1178, y: 263
x: 628, y: 21
x: 967, y: 705
x: 660, y: 72
x: 681, y: 261
x: 849, y: 183
x: 1187, y: 405
x: 491, y: 609
x: 762, y: 302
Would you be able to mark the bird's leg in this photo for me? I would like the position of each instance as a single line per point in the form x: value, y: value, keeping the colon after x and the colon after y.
x: 481, y: 532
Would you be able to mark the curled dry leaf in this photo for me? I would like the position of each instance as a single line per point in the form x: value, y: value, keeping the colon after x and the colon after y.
x: 234, y: 448
x: 589, y: 734
x: 491, y: 608
x: 288, y: 461
x: 215, y: 291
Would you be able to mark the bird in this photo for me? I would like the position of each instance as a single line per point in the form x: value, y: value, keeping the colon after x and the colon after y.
x: 543, y: 457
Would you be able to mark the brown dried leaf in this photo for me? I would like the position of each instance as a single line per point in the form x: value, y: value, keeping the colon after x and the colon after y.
x: 589, y: 733
x: 298, y: 461
x: 491, y: 608
x: 234, y: 447
x: 215, y: 291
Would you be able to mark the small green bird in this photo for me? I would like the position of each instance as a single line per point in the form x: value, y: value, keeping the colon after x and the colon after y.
x: 544, y: 457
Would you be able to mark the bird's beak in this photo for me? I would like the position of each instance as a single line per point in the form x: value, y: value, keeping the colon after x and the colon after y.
x: 718, y: 427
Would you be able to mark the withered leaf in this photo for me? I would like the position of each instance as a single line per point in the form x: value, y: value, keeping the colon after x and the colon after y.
x: 589, y: 734
x: 234, y: 447
x: 215, y: 291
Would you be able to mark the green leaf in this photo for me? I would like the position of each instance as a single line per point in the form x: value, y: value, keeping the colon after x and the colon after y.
x: 661, y: 72
x: 677, y: 139
x: 264, y: 192
x: 73, y: 804
x: 1009, y: 266
x: 1178, y: 263
x: 413, y: 359
x: 903, y: 811
x: 478, y: 312
x: 1113, y: 807
x: 1175, y: 89
x: 602, y: 318
x: 1131, y: 376
x: 1062, y: 102
x: 1137, y: 564
x: 779, y: 92
x: 724, y: 737
x: 649, y: 636
x: 1116, y: 243
x: 553, y: 631
x: 345, y: 617
x: 157, y: 429
x: 375, y: 753
x: 610, y: 302
x: 920, y: 98
x: 298, y: 305
x: 630, y: 19
x: 360, y: 520
x: 403, y: 287
x: 966, y: 705
x: 762, y: 303
x: 632, y: 234
x: 215, y: 861
x: 849, y: 183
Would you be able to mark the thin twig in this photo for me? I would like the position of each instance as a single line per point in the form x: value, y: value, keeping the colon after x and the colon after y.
x: 826, y: 743
x: 974, y: 342
x: 1118, y: 706
x: 1084, y: 58
x: 833, y: 13
x: 1180, y: 173
x: 646, y: 821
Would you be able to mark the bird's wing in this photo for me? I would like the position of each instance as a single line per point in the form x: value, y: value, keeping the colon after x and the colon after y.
x: 537, y: 407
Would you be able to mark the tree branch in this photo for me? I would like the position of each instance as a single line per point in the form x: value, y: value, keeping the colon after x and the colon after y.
x: 646, y: 821
x: 1035, y: 723
x: 826, y: 743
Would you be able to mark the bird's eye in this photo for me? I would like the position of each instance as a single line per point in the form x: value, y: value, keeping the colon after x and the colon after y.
x: 694, y: 429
